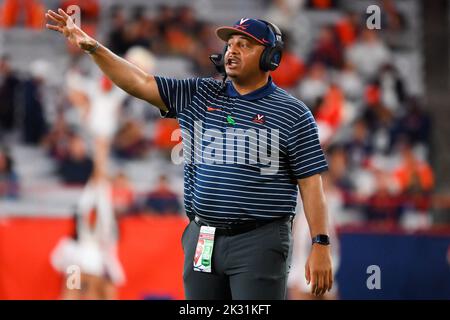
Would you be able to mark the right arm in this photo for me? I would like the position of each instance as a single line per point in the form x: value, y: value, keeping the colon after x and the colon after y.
x: 124, y: 74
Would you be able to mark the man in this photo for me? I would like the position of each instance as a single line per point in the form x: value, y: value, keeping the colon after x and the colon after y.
x: 238, y: 242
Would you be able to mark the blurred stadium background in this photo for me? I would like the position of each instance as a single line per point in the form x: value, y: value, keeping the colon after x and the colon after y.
x: 380, y: 98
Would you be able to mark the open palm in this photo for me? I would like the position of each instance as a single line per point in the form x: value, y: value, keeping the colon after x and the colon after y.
x: 66, y: 26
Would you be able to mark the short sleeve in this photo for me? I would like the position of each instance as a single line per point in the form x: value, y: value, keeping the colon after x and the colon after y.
x: 305, y: 154
x: 176, y: 94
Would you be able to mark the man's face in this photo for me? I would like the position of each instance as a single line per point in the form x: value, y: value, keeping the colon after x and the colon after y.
x: 242, y: 57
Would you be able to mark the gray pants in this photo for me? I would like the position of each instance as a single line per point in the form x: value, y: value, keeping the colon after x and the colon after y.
x: 246, y: 266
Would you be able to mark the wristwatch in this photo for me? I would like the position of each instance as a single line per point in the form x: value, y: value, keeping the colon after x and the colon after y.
x: 92, y: 50
x: 322, y: 239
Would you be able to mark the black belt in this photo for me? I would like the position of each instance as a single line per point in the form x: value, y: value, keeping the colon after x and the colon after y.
x: 235, y: 228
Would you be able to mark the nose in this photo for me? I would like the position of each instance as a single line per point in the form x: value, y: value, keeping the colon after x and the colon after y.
x: 231, y: 49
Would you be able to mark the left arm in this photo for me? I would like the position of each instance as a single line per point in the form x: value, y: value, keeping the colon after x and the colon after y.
x: 318, y: 269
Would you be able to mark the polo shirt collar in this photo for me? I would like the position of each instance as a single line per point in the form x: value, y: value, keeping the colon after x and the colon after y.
x: 267, y: 89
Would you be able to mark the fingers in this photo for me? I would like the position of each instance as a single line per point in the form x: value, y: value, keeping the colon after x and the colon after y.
x: 326, y: 283
x: 314, y: 284
x: 55, y: 17
x: 64, y: 14
x: 62, y: 19
x: 54, y: 28
x: 321, y: 281
x: 307, y: 274
x: 48, y: 16
x: 330, y: 277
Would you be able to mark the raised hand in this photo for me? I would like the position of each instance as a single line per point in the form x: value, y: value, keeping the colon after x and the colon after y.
x: 66, y: 26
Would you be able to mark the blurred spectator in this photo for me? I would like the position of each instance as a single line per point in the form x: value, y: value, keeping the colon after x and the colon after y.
x: 165, y: 16
x: 392, y: 18
x: 321, y: 4
x: 330, y: 113
x: 382, y: 135
x: 392, y: 87
x: 384, y: 206
x: 204, y: 46
x: 35, y: 126
x: 368, y: 54
x: 415, y: 179
x: 282, y: 12
x: 141, y: 30
x: 179, y: 28
x: 291, y: 68
x: 77, y: 167
x: 381, y: 123
x: 394, y: 23
x: 122, y: 194
x: 314, y: 86
x: 9, y: 181
x: 414, y: 125
x: 187, y: 21
x: 338, y: 174
x: 173, y: 31
x: 350, y: 82
x: 372, y: 94
x: 30, y: 11
x: 162, y: 200
x: 117, y: 37
x: 359, y: 148
x: 130, y: 142
x: 9, y: 86
x: 290, y: 17
x: 162, y: 138
x: 327, y: 49
x: 56, y: 142
x: 178, y: 40
x: 347, y: 28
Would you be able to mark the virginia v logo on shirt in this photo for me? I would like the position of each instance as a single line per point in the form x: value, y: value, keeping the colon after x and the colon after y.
x: 259, y: 118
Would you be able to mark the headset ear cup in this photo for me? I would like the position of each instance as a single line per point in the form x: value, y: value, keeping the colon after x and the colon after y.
x: 275, y: 58
x: 264, y: 62
x: 270, y: 58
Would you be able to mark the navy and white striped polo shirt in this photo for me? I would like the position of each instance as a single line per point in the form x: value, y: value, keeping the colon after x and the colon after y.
x: 243, y: 153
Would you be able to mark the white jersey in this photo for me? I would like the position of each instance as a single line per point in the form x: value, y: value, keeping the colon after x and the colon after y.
x: 104, y: 108
x: 104, y: 111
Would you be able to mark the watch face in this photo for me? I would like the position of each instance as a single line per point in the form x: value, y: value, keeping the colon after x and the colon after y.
x: 322, y: 239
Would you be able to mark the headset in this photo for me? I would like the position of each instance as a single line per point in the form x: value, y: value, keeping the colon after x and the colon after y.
x: 270, y: 58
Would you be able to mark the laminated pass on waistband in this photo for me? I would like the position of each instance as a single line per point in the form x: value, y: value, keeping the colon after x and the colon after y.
x: 204, y: 249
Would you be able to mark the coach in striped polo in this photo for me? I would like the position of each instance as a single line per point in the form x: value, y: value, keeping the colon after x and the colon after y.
x: 248, y: 147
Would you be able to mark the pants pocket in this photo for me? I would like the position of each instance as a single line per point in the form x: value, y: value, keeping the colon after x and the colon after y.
x: 284, y: 238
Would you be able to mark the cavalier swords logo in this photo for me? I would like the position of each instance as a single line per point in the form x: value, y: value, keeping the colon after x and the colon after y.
x: 259, y: 118
x: 243, y: 20
x: 241, y: 24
